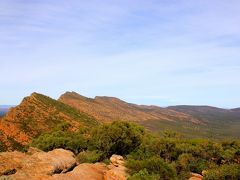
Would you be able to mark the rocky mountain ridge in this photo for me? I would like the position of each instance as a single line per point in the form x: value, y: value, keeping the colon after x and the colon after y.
x: 109, y: 108
x: 36, y: 114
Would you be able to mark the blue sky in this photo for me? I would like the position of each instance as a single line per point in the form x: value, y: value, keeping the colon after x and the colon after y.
x: 143, y: 51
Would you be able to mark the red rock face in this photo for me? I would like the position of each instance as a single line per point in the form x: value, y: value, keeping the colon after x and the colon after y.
x: 110, y: 109
x: 36, y: 114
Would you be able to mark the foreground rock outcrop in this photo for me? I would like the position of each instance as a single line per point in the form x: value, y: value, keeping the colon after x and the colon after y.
x: 58, y: 164
x: 39, y: 165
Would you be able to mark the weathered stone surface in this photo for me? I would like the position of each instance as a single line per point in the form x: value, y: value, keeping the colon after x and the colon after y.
x: 117, y: 160
x: 36, y: 166
x: 82, y: 172
x: 58, y: 164
x: 117, y: 170
x: 116, y: 173
x: 195, y: 176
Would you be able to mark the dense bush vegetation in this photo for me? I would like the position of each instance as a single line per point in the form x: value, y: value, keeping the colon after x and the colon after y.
x: 90, y: 156
x: 62, y: 138
x: 226, y: 171
x: 169, y: 156
x: 117, y: 138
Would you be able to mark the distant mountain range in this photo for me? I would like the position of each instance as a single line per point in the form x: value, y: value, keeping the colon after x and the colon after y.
x: 39, y: 113
x: 210, y: 114
x: 4, y: 109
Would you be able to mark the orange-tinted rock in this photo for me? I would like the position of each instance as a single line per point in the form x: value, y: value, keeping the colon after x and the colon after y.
x: 36, y: 166
x: 117, y: 170
x: 116, y: 173
x: 195, y: 176
x: 58, y: 164
x: 37, y: 114
x: 83, y: 172
x: 117, y: 160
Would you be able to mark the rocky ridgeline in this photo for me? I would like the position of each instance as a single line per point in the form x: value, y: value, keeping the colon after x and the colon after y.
x: 58, y: 164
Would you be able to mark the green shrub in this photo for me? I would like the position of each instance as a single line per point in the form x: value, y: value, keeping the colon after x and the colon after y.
x: 165, y: 148
x: 229, y: 154
x: 117, y: 138
x: 153, y: 165
x: 90, y: 156
x: 184, y: 162
x: 148, y: 156
x: 75, y: 142
x: 144, y: 175
x: 224, y: 172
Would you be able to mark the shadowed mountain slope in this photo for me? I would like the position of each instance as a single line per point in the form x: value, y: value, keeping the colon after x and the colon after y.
x: 36, y: 114
x: 110, y: 108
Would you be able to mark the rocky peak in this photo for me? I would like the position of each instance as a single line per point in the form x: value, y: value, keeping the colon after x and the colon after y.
x: 108, y: 99
x: 36, y: 114
x: 72, y: 95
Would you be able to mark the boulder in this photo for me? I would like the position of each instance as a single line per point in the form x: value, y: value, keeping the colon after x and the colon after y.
x: 116, y: 173
x: 117, y: 160
x: 117, y: 170
x: 39, y: 165
x: 82, y: 172
x: 58, y: 164
x: 195, y: 176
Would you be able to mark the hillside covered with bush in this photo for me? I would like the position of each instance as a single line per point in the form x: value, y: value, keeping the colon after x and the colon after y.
x: 36, y: 114
x: 148, y: 156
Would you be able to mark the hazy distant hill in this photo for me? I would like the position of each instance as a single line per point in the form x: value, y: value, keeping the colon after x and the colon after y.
x: 4, y: 109
x: 236, y: 110
x: 210, y: 114
x: 219, y: 123
x: 110, y: 108
x: 36, y: 114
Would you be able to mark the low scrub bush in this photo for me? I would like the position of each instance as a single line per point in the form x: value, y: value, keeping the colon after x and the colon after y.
x: 153, y: 165
x: 224, y: 172
x: 144, y: 175
x: 90, y: 156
